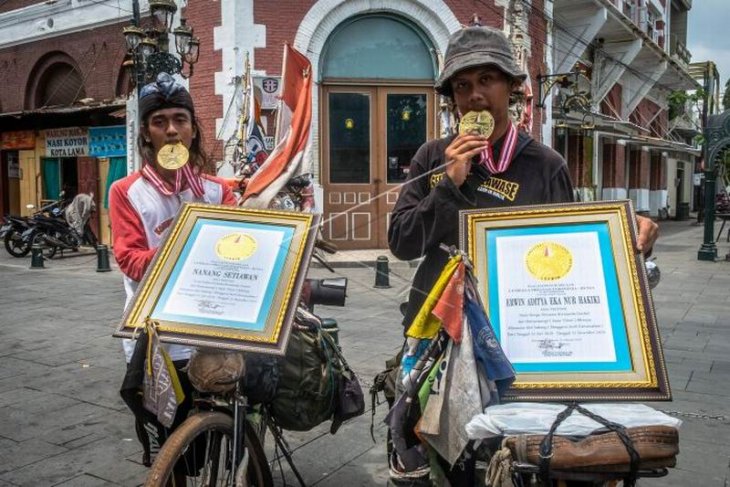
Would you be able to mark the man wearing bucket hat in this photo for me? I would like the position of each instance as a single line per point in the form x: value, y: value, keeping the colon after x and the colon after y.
x: 470, y: 170
x: 143, y: 205
x: 490, y: 164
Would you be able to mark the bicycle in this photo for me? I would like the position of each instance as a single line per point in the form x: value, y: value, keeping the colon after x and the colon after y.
x: 218, y: 444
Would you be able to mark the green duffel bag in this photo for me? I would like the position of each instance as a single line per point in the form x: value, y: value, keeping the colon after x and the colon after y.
x: 306, y: 393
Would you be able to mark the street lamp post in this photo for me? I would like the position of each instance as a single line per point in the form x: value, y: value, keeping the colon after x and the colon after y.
x: 149, y: 49
x: 708, y: 250
x: 149, y: 55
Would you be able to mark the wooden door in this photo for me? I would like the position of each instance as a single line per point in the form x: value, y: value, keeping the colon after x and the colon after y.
x: 349, y: 136
x: 369, y: 136
x: 406, y: 121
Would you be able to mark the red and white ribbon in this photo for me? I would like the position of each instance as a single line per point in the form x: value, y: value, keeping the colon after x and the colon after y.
x: 192, y: 179
x: 505, y: 154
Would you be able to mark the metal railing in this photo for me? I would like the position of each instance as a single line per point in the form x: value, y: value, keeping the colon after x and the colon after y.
x: 679, y: 51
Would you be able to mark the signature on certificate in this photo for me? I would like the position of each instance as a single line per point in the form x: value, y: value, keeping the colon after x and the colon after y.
x: 205, y: 306
x: 553, y: 348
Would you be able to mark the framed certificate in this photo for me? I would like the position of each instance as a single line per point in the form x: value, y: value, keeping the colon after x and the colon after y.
x: 226, y: 277
x: 569, y: 301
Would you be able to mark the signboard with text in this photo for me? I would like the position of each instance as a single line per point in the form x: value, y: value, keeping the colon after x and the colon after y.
x: 17, y: 140
x: 108, y: 141
x: 67, y: 142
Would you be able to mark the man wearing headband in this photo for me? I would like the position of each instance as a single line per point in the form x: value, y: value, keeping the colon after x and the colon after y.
x: 143, y: 205
x: 475, y: 169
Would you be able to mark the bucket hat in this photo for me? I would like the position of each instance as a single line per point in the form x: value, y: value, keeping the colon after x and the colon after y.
x: 477, y: 46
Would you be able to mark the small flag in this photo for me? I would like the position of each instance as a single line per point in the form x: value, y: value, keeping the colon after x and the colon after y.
x: 450, y: 307
x: 425, y: 324
x: 287, y: 160
x: 162, y: 390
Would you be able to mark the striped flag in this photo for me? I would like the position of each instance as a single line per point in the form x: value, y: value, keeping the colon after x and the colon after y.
x: 287, y: 160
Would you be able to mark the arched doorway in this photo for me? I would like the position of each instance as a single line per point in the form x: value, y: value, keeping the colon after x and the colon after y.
x: 377, y: 108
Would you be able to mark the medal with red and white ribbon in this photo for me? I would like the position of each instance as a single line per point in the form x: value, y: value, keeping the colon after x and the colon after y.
x: 505, y: 154
x: 482, y: 123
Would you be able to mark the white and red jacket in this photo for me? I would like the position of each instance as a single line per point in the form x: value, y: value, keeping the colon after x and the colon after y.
x: 140, y: 216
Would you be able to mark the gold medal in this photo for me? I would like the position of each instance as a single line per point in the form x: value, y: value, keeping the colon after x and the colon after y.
x: 549, y: 261
x: 173, y: 156
x: 236, y: 246
x: 481, y: 123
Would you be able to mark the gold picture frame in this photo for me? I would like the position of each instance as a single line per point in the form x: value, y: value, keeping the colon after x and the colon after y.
x: 225, y: 277
x: 568, y: 298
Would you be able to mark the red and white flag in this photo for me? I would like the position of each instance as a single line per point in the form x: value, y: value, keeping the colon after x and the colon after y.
x: 287, y: 160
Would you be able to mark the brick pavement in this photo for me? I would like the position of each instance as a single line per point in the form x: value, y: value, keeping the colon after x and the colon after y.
x: 62, y: 422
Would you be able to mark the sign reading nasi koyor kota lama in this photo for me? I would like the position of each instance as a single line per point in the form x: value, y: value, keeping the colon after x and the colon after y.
x: 67, y: 142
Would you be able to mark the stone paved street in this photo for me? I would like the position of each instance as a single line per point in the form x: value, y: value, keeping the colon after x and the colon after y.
x: 62, y: 421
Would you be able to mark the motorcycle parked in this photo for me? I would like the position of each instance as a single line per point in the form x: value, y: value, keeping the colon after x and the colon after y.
x: 11, y: 232
x: 15, y: 232
x: 64, y: 230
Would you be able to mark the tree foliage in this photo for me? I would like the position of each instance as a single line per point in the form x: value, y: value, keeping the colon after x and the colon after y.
x: 726, y: 96
x: 678, y: 100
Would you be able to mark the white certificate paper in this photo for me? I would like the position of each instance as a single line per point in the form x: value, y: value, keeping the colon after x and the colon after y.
x: 553, y: 304
x: 225, y: 276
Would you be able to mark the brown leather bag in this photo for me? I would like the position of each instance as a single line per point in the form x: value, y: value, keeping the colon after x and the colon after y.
x: 657, y: 447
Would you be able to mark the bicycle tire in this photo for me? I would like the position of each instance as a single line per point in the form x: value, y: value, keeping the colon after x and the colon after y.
x: 197, y: 425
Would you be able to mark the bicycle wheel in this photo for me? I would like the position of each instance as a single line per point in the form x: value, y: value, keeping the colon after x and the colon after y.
x: 199, y: 453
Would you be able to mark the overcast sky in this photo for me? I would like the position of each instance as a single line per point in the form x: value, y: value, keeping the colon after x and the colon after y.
x: 707, y: 34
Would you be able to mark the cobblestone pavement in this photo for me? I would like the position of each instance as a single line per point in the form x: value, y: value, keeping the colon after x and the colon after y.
x: 62, y: 422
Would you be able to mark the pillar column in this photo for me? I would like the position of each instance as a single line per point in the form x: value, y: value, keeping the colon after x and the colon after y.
x: 614, y: 170
x: 658, y: 184
x: 639, y: 172
x: 580, y: 164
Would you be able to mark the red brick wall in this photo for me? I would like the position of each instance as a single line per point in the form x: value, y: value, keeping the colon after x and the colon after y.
x: 98, y: 54
x: 611, y: 104
x: 579, y: 159
x: 204, y: 16
x: 281, y: 24
x: 538, y: 34
x: 657, y: 176
x: 283, y: 21
x: 639, y: 168
x: 646, y: 116
x: 614, y: 165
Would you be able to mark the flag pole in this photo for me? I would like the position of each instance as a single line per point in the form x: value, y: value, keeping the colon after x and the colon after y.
x: 277, y: 134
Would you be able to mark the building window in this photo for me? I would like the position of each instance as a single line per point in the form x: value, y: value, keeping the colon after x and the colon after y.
x: 60, y: 84
x: 378, y: 47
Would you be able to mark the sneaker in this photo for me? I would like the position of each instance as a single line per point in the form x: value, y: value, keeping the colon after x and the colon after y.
x: 399, y: 477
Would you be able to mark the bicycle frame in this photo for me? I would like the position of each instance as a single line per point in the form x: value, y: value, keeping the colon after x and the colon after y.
x: 235, y: 404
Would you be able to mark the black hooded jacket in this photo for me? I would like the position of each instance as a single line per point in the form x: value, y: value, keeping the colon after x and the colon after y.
x: 427, y: 211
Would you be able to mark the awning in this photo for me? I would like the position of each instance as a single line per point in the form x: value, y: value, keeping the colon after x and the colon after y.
x: 608, y: 126
x: 91, y: 114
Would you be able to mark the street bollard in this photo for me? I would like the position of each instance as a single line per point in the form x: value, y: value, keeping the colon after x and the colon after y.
x: 382, y: 277
x: 102, y: 258
x: 36, y: 256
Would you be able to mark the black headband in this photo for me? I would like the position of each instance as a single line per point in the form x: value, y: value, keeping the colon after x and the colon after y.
x: 164, y: 93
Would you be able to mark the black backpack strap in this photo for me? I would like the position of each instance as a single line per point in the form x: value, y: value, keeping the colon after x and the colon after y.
x: 546, y: 445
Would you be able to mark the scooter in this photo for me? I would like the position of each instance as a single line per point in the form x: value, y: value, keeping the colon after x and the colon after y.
x: 16, y: 232
x: 53, y: 232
